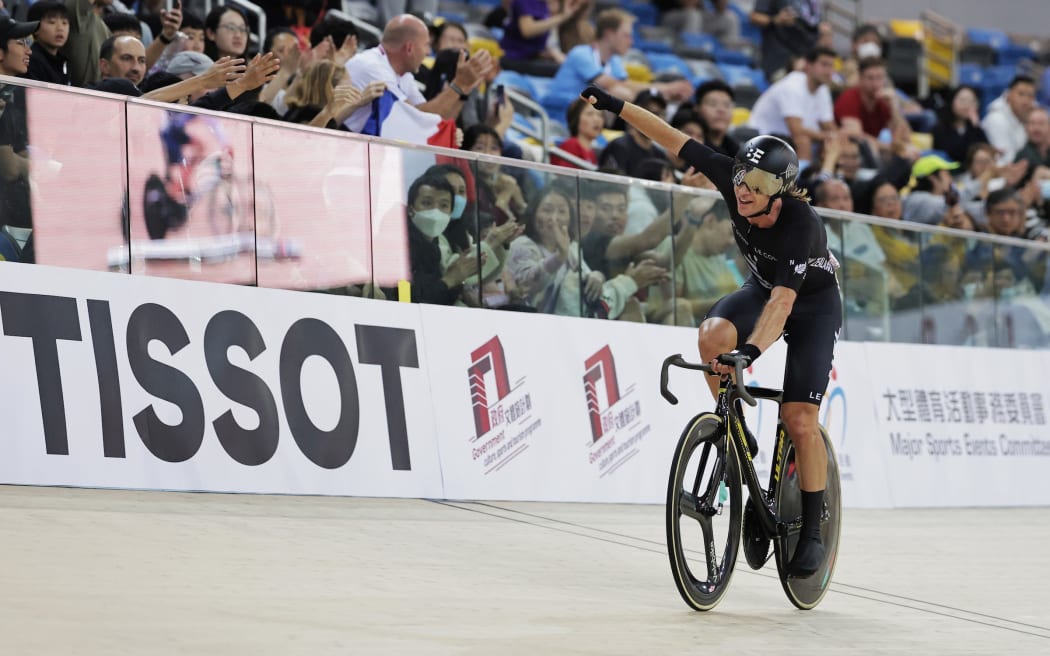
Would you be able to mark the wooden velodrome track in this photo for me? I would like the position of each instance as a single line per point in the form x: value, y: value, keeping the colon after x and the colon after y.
x: 122, y: 572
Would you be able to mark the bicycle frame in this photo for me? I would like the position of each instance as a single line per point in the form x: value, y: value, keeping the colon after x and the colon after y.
x: 728, y: 394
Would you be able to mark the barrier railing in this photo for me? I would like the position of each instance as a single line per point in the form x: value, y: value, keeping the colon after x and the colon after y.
x: 143, y: 188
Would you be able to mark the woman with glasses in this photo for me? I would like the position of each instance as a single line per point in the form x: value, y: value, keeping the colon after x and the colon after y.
x: 791, y: 291
x: 225, y: 33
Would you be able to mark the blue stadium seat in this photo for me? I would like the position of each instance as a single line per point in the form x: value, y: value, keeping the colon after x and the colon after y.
x: 971, y: 74
x: 665, y: 63
x: 517, y: 81
x: 732, y: 57
x: 748, y: 30
x: 699, y: 41
x: 453, y: 17
x: 735, y: 74
x: 645, y: 14
x: 647, y: 46
x: 539, y: 84
x: 995, y: 38
x: 1013, y: 54
x: 485, y: 3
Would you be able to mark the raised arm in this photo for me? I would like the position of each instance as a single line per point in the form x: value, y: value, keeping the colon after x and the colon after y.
x: 645, y: 121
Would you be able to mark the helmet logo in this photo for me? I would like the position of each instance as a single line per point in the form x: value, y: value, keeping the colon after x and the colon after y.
x: 790, y: 173
x: 754, y: 155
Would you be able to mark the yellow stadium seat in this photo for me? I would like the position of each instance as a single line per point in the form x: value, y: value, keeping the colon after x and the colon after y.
x: 639, y: 72
x: 907, y: 28
x: 741, y: 115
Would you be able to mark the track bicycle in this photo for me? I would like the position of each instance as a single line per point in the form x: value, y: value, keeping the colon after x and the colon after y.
x: 706, y: 518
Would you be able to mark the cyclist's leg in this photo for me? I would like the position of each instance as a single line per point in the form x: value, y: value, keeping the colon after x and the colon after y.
x: 810, y: 334
x: 729, y: 323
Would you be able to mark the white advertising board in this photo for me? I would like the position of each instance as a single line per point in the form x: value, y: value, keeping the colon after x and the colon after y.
x: 136, y: 382
x: 962, y: 426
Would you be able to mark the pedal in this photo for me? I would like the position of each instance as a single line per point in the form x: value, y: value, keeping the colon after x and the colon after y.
x: 755, y: 541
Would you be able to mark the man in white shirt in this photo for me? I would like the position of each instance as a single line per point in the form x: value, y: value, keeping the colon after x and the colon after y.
x: 1004, y: 123
x: 799, y: 105
x: 405, y: 43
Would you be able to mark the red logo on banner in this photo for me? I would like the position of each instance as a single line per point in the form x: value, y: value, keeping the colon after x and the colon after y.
x: 489, y: 357
x: 600, y: 366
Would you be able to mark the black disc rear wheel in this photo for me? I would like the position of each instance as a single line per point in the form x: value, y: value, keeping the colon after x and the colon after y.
x: 806, y: 593
x: 704, y: 508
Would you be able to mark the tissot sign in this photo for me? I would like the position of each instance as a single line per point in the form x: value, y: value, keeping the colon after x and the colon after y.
x: 173, y: 375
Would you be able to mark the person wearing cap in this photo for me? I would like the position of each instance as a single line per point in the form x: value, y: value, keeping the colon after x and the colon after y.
x: 14, y: 134
x: 187, y: 63
x: 934, y: 192
x: 48, y: 64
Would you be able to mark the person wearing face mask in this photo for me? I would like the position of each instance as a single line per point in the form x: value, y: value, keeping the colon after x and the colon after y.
x: 459, y: 238
x: 430, y: 201
x: 866, y: 43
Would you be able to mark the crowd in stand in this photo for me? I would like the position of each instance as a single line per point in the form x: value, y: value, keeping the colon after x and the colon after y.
x: 599, y: 249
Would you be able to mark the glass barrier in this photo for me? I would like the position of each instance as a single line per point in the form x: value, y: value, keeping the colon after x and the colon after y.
x: 77, y: 176
x: 313, y: 228
x: 192, y: 196
x: 117, y: 184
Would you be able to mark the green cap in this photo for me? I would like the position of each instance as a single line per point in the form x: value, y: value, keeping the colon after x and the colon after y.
x: 924, y: 166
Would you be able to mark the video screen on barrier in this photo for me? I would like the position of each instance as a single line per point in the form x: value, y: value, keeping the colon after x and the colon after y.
x: 193, y: 212
x: 77, y: 160
x: 318, y: 188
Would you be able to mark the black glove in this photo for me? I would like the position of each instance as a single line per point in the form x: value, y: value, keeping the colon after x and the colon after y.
x: 604, y: 100
x: 746, y: 354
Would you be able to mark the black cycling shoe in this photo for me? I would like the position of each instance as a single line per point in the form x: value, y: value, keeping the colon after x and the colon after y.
x: 809, y: 556
x: 756, y: 542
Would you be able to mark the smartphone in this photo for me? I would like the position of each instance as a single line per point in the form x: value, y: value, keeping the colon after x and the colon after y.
x: 501, y: 95
x: 177, y: 4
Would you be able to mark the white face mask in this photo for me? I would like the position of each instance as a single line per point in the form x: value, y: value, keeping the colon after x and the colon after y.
x: 970, y: 290
x: 431, y: 222
x: 868, y: 50
x: 459, y: 203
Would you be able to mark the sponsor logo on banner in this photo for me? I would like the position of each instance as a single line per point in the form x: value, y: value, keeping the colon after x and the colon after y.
x: 615, y: 415
x: 503, y: 414
x: 952, y: 423
x: 833, y: 419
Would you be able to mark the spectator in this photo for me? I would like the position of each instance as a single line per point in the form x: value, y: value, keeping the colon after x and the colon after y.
x: 14, y: 133
x: 629, y: 151
x: 681, y: 15
x: 982, y: 174
x: 430, y: 200
x: 1005, y: 209
x: 601, y: 63
x: 225, y: 33
x: 1004, y: 122
x: 123, y: 57
x: 47, y: 63
x: 320, y: 99
x: 799, y: 105
x: 866, y: 43
x: 498, y: 193
x: 958, y: 127
x: 706, y: 272
x: 121, y: 24
x: 790, y: 29
x: 607, y: 249
x: 585, y: 125
x: 645, y: 204
x: 721, y: 22
x: 449, y: 36
x: 579, y: 30
x: 405, y: 44
x: 689, y: 123
x: 546, y: 264
x: 193, y: 29
x: 526, y: 36
x: 900, y: 247
x: 87, y: 31
x: 934, y: 190
x: 715, y: 104
x: 1037, y: 150
x: 870, y: 107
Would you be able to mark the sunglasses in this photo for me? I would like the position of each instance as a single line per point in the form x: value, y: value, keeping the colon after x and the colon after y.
x: 757, y: 181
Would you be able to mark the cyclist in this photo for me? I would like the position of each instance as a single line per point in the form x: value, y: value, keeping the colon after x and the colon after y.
x: 791, y: 290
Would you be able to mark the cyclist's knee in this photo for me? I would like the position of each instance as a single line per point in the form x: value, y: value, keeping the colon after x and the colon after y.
x: 800, y: 420
x: 717, y: 336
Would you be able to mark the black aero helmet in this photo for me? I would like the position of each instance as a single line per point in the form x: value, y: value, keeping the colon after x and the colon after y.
x: 766, y: 165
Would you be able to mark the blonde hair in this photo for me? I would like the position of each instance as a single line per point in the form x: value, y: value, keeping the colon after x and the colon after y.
x: 315, y: 87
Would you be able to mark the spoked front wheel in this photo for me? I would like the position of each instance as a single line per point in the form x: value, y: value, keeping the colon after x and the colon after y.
x: 703, y: 512
x: 806, y: 593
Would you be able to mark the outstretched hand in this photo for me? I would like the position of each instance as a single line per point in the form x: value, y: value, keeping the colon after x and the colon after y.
x: 602, y: 99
